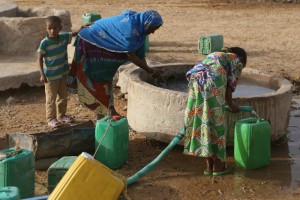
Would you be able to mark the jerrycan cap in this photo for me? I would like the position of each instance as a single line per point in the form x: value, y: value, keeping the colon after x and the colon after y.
x: 116, y: 117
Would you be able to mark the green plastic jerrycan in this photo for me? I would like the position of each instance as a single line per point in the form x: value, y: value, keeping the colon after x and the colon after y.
x: 58, y: 169
x: 9, y: 193
x: 252, y: 143
x: 113, y: 151
x: 90, y: 17
x: 210, y: 43
x: 17, y: 168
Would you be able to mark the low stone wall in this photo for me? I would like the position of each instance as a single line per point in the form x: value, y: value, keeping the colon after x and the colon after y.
x: 21, y: 34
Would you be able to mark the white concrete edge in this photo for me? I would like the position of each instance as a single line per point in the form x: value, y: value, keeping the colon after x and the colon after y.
x: 285, y: 87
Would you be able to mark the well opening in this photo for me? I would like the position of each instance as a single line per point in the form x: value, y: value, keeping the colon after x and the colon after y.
x: 246, y: 86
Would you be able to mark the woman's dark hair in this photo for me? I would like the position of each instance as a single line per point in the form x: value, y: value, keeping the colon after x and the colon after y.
x: 241, y: 53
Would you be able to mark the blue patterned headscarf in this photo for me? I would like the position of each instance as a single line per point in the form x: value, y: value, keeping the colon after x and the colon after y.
x: 123, y: 33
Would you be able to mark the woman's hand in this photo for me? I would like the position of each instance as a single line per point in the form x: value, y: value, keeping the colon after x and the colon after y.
x: 143, y: 64
x: 228, y: 99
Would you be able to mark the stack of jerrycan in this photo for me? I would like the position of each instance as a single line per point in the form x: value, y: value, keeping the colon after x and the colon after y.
x: 252, y: 143
x: 17, y: 168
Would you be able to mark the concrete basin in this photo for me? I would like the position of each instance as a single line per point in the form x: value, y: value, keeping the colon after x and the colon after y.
x: 158, y: 113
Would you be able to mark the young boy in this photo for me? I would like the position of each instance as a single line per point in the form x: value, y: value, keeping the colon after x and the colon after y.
x: 53, y: 50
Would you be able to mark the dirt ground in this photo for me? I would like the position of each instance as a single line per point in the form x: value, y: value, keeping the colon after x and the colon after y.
x: 270, y: 35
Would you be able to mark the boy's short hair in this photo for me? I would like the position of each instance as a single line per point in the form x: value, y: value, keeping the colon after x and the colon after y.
x: 53, y: 19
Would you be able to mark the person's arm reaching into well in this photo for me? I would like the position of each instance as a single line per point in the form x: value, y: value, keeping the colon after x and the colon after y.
x: 142, y: 64
x: 228, y: 99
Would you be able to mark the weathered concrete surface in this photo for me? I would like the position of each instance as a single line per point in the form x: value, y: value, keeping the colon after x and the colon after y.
x: 20, y: 37
x: 8, y: 8
x: 155, y: 112
x: 125, y: 70
x: 22, y: 34
x: 16, y: 71
x: 158, y: 113
x: 123, y: 76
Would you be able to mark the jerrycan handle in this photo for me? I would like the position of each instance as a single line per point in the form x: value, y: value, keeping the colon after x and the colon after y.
x: 11, y: 153
x: 14, y: 152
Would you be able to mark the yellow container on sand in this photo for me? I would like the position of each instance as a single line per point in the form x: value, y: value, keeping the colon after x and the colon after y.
x: 88, y: 179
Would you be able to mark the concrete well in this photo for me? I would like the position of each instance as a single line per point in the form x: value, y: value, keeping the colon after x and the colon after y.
x: 158, y: 113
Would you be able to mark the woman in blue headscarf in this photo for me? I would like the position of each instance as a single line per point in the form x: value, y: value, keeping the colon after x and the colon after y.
x: 102, y: 48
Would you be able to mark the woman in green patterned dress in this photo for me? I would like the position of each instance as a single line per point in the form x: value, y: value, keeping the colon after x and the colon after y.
x: 211, y: 83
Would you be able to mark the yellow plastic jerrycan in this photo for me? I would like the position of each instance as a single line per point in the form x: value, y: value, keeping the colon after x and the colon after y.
x: 88, y: 179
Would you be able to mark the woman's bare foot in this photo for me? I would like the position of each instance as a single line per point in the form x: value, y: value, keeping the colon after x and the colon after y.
x: 218, y: 165
x: 209, y: 164
x: 220, y: 168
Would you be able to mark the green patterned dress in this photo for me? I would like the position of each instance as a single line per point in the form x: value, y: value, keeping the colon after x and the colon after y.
x: 204, y: 114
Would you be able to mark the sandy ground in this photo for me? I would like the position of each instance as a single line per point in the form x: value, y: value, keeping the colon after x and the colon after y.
x: 270, y: 35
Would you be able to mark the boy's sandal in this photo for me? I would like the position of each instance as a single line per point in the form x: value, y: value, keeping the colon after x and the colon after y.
x: 66, y: 119
x: 54, y: 123
x: 207, y: 172
x: 223, y: 172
